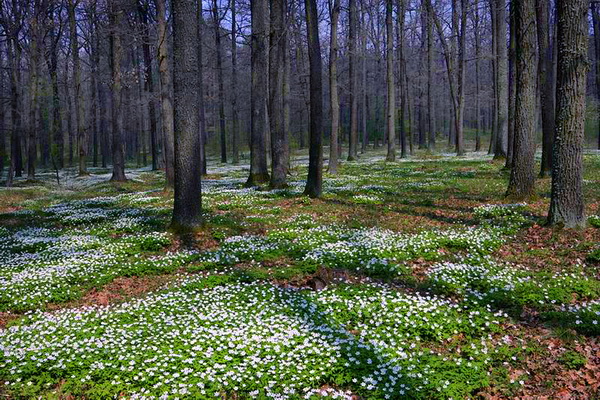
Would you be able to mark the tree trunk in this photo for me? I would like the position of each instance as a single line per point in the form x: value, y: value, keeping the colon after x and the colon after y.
x: 333, y: 87
x: 501, y: 79
x: 363, y: 88
x: 596, y: 21
x: 221, y: 90
x: 202, y: 133
x: 187, y: 209
x: 314, y: 183
x: 234, y: 111
x: 522, y: 179
x: 400, y: 10
x: 118, y: 158
x: 260, y: 93
x: 279, y: 136
x: 566, y: 204
x: 166, y: 101
x: 391, y: 89
x: 477, y: 80
x: 546, y: 83
x: 430, y: 108
x: 143, y: 11
x: 353, y: 28
x: 35, y: 53
x: 77, y: 95
x: 512, y: 58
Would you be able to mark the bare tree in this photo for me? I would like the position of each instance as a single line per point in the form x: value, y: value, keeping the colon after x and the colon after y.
x: 314, y: 182
x: 260, y: 93
x: 334, y: 11
x: 234, y: 109
x: 118, y: 158
x: 352, y: 57
x: 187, y: 208
x: 166, y: 102
x: 279, y: 135
x: 221, y: 92
x: 522, y: 178
x: 391, y: 89
x: 566, y: 204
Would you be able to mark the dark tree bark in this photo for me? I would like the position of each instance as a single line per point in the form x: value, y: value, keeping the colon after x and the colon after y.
x: 235, y: 129
x: 512, y: 76
x: 353, y: 28
x: 430, y: 108
x: 401, y: 9
x: 596, y: 22
x: 363, y: 87
x: 187, y: 209
x: 143, y: 10
x: 220, y: 83
x: 35, y: 56
x: 203, y: 134
x: 522, y: 178
x: 77, y: 95
x: 477, y: 34
x: 260, y: 93
x: 334, y: 10
x: 391, y: 89
x: 546, y: 83
x: 279, y: 136
x: 58, y: 147
x: 314, y: 183
x: 166, y: 101
x: 501, y: 78
x: 118, y: 157
x: 566, y: 204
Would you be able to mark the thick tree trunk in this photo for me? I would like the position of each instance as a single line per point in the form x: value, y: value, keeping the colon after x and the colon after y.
x: 279, y: 136
x: 546, y: 83
x: 202, y: 133
x: 314, y: 183
x: 333, y: 88
x: 77, y: 95
x: 522, y: 179
x: 512, y: 62
x: 566, y: 204
x: 118, y: 158
x: 391, y: 89
x: 235, y: 146
x: 166, y: 101
x: 260, y: 93
x: 353, y: 29
x: 596, y: 21
x: 187, y: 209
x: 220, y: 83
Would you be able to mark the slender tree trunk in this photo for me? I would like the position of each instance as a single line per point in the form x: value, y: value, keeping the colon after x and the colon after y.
x: 234, y: 111
x: 391, y: 88
x: 77, y: 95
x: 314, y: 183
x: 401, y: 10
x: 522, y: 179
x: 477, y: 80
x: 546, y: 83
x: 187, y: 209
x: 353, y: 28
x: 2, y: 111
x: 118, y: 158
x: 166, y: 101
x: 334, y: 10
x: 501, y: 79
x: 260, y: 93
x: 430, y: 107
x: 566, y: 204
x: 221, y: 92
x: 35, y: 53
x: 363, y: 87
x: 94, y: 66
x: 149, y: 83
x: 279, y: 136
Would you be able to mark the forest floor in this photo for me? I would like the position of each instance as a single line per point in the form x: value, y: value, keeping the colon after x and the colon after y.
x: 405, y: 280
